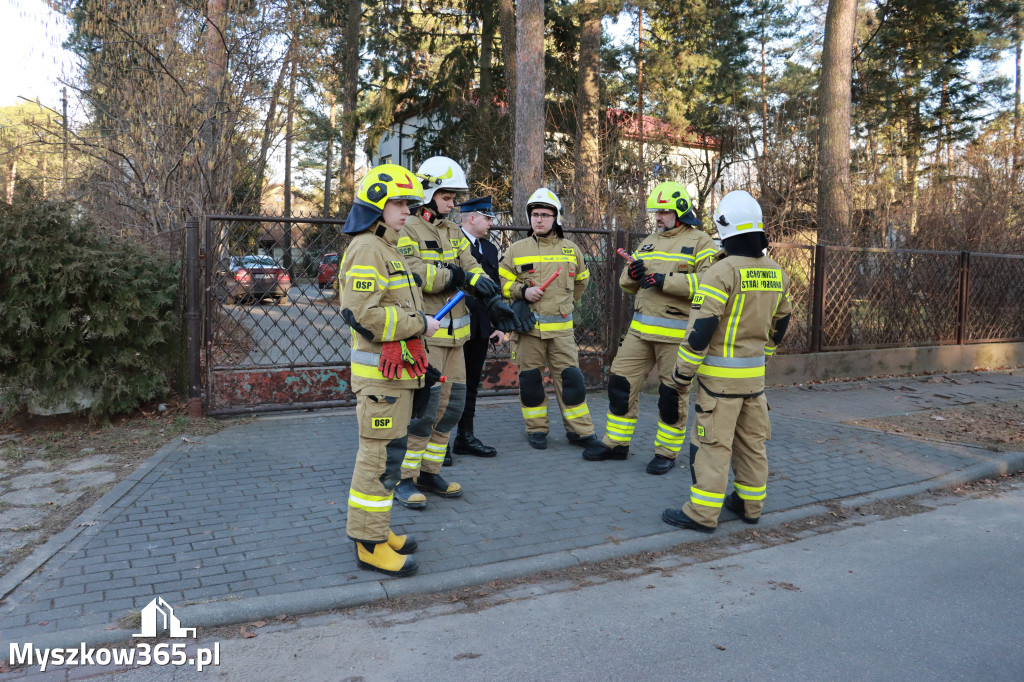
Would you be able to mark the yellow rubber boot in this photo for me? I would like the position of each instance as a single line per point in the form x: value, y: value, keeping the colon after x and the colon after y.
x: 385, y: 560
x: 402, y: 544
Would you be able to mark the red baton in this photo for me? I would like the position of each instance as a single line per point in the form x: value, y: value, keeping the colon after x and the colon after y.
x: 551, y: 279
x: 625, y: 254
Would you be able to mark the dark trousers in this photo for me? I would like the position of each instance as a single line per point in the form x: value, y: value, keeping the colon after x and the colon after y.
x: 476, y: 353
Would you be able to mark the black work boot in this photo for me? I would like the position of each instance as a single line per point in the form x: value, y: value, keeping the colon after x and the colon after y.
x: 598, y: 451
x: 537, y: 440
x: 574, y: 438
x: 734, y: 503
x: 660, y: 465
x: 585, y: 442
x: 433, y: 483
x: 447, y: 457
x: 468, y: 444
x: 679, y: 519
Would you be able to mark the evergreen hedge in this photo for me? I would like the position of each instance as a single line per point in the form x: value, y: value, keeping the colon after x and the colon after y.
x: 77, y: 310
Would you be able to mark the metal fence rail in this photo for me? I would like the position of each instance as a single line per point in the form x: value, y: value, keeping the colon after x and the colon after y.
x: 292, y: 351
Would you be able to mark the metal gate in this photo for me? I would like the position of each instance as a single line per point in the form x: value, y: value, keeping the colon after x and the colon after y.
x: 272, y: 333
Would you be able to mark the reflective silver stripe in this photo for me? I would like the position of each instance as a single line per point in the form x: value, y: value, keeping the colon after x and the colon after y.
x: 548, y: 319
x: 659, y: 321
x: 459, y: 322
x: 714, y: 361
x: 362, y: 357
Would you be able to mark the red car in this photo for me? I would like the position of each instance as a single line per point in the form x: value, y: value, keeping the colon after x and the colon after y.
x: 327, y: 273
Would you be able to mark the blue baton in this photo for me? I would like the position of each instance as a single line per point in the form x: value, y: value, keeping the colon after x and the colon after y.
x: 449, y: 305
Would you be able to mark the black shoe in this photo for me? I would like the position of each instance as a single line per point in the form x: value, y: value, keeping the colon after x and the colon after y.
x: 407, y: 495
x: 677, y: 518
x: 433, y: 483
x: 660, y: 465
x: 574, y: 438
x: 468, y: 444
x: 537, y: 440
x: 585, y: 442
x: 447, y: 457
x: 598, y: 451
x: 735, y: 504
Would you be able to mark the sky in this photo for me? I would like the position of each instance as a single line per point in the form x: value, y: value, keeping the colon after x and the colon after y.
x: 30, y: 50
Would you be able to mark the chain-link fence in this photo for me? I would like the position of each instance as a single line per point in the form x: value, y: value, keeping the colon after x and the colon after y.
x: 273, y: 334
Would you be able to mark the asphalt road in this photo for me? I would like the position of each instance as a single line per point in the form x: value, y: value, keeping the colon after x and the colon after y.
x: 930, y: 596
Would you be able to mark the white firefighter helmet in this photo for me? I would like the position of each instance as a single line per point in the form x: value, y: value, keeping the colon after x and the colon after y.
x: 440, y: 172
x: 545, y: 197
x: 738, y: 213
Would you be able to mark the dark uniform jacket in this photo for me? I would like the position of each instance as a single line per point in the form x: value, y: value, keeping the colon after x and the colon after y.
x: 486, y: 254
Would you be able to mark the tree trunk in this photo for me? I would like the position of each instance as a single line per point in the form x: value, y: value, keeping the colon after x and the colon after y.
x: 269, y: 128
x: 12, y: 176
x: 1016, y: 96
x: 287, y: 256
x: 834, y: 122
x: 349, y: 97
x: 507, y: 25
x: 213, y: 195
x: 528, y: 154
x: 587, y: 204
x: 329, y: 161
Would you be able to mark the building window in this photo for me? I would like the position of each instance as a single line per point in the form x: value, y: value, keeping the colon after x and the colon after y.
x: 385, y: 159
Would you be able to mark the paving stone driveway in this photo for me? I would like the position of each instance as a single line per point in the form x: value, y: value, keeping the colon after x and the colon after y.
x: 259, y: 509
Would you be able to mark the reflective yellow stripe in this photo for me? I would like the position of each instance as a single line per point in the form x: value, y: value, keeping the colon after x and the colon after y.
x: 412, y: 460
x: 731, y: 372
x: 580, y: 276
x: 714, y: 293
x: 553, y: 326
x: 746, y: 492
x: 769, y: 351
x: 407, y: 242
x: 398, y: 282
x: 368, y: 372
x: 619, y: 429
x: 692, y: 283
x: 367, y: 271
x: 734, y: 323
x: 448, y: 254
x: 706, y: 253
x: 370, y: 503
x: 431, y: 275
x: 553, y: 258
x: 655, y: 329
x: 460, y: 333
x: 576, y: 412
x: 670, y: 437
x: 507, y: 274
x: 435, y: 452
x: 705, y: 498
x: 665, y: 256
x: 390, y: 322
x: 535, y: 412
x: 687, y: 356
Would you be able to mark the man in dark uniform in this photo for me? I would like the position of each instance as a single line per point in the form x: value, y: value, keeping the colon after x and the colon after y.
x: 477, y: 217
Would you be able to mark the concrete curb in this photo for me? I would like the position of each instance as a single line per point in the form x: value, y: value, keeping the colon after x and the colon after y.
x: 231, y: 612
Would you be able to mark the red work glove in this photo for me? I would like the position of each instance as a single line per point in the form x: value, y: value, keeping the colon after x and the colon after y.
x: 391, y: 360
x: 414, y: 356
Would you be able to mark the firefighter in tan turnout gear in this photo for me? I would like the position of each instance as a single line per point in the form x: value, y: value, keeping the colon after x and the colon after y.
x: 664, y: 275
x: 382, y: 303
x: 524, y: 269
x: 439, y: 253
x: 738, y: 318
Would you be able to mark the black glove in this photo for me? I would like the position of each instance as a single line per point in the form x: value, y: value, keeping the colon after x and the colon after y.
x: 502, y: 317
x: 655, y: 279
x: 525, y: 318
x: 458, y: 278
x: 637, y: 269
x: 486, y: 288
x: 416, y: 278
x: 679, y: 380
x: 421, y: 396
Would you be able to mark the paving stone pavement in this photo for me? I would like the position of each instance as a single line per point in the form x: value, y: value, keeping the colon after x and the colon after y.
x: 258, y: 510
